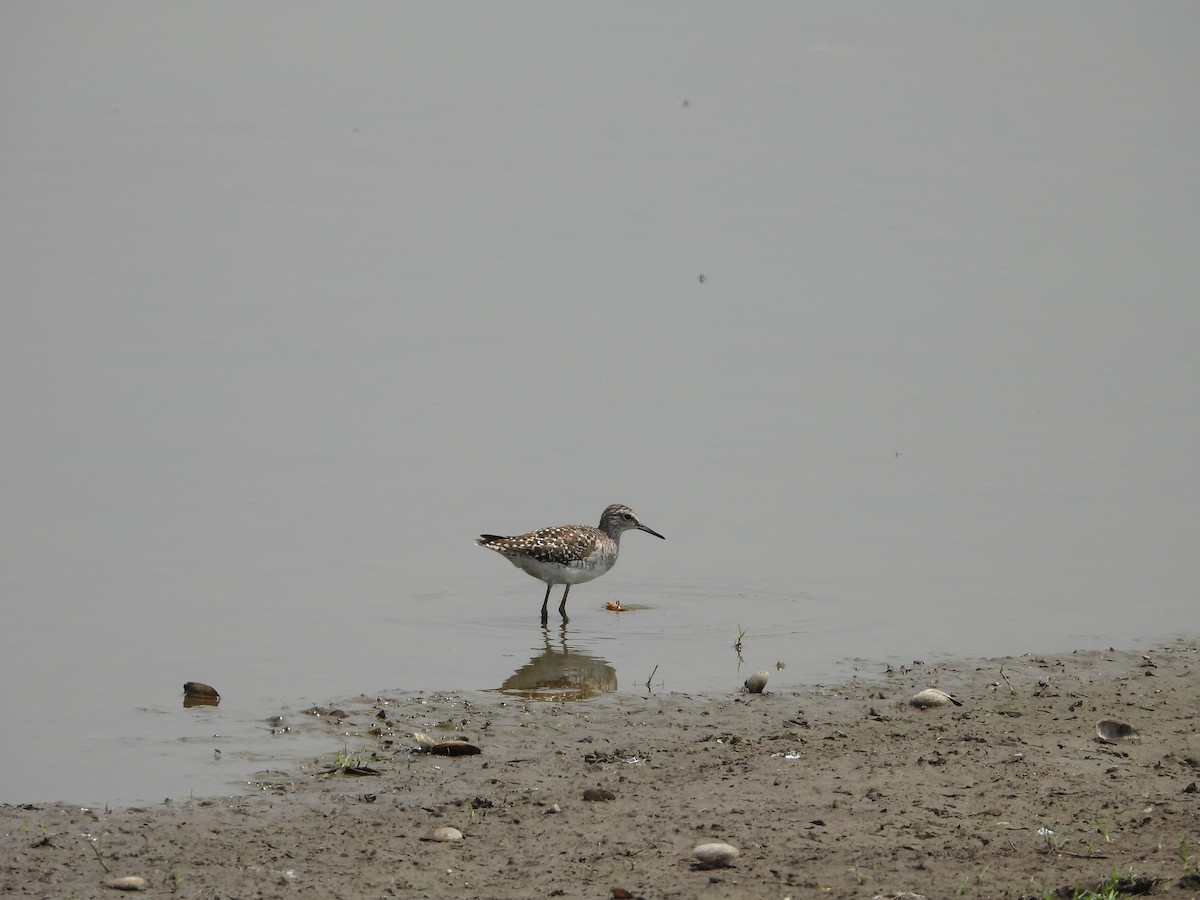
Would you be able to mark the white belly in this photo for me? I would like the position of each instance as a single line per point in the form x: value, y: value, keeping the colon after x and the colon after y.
x: 556, y: 573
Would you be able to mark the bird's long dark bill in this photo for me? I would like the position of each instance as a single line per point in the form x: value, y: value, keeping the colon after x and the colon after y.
x: 650, y: 531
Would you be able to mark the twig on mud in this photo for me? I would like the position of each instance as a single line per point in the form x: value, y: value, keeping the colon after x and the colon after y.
x: 651, y: 678
x: 1062, y: 852
x: 94, y: 844
x: 1005, y: 678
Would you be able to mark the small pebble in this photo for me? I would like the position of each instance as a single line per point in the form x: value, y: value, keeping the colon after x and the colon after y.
x: 716, y: 855
x: 598, y: 794
x: 127, y: 883
x: 756, y: 682
x: 442, y: 833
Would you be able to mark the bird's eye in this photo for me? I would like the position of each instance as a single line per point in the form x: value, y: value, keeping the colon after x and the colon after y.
x: 627, y: 515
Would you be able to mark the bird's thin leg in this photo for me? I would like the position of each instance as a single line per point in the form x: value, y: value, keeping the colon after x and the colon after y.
x: 562, y: 607
x: 545, y: 601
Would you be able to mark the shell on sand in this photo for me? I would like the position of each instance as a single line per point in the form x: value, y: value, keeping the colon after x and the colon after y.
x: 756, y: 682
x: 715, y: 856
x: 442, y: 833
x: 1111, y: 731
x: 931, y: 697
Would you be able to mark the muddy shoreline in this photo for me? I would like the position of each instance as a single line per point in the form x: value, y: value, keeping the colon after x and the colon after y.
x: 832, y: 791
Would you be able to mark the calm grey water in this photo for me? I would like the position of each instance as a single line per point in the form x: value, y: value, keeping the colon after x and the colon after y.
x: 885, y: 315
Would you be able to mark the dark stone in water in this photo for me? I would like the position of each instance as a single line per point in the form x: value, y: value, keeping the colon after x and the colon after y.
x: 196, y: 693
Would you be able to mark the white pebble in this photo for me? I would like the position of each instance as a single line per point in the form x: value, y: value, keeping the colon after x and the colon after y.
x: 716, y: 855
x: 127, y: 883
x: 443, y: 833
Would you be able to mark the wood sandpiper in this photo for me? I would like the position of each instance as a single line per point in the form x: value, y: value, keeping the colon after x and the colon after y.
x: 568, y: 554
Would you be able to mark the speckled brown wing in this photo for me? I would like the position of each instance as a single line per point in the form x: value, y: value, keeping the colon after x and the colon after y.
x: 564, y: 545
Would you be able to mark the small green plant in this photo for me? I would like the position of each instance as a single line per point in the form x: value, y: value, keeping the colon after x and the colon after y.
x: 860, y: 875
x: 1111, y: 888
x: 1184, y: 852
x: 1104, y: 832
x: 347, y: 760
x: 1114, y: 884
x: 1053, y: 841
x: 971, y: 880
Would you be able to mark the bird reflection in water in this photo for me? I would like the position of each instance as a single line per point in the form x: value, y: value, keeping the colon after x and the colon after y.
x: 558, y: 674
